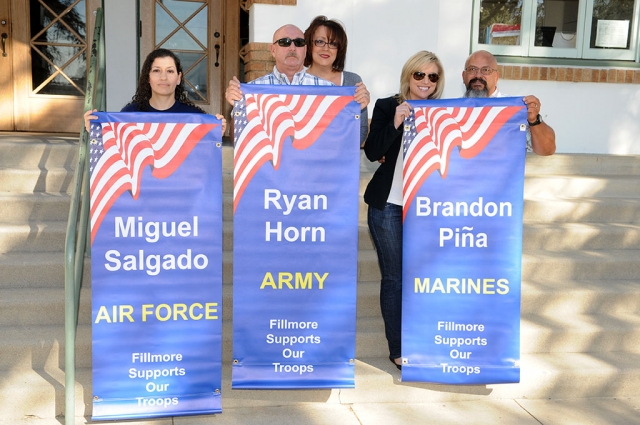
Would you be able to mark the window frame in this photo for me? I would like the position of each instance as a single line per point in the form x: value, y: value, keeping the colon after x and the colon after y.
x: 583, y: 36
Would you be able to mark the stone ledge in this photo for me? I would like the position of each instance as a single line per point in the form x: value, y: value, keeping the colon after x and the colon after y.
x: 246, y: 5
x: 576, y: 75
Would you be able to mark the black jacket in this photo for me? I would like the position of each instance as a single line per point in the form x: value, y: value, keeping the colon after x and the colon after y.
x: 383, y: 140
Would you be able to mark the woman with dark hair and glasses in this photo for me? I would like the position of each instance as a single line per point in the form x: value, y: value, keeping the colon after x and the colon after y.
x: 160, y: 89
x: 422, y: 78
x: 326, y: 52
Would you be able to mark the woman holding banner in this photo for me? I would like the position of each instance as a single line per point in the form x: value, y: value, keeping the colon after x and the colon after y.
x: 422, y: 78
x: 160, y: 89
x: 326, y: 52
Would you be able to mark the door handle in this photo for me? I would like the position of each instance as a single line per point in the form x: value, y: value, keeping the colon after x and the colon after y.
x: 217, y: 46
x: 4, y: 41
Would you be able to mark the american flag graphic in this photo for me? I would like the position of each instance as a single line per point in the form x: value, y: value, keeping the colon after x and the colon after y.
x: 432, y: 132
x: 263, y: 122
x: 119, y: 152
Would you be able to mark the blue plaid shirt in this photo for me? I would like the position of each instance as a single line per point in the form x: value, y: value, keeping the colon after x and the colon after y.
x: 301, y: 78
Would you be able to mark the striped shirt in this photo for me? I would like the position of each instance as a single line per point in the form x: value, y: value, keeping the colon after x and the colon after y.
x: 301, y: 78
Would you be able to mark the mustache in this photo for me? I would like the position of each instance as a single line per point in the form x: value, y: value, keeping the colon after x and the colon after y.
x: 477, y: 80
x: 292, y: 54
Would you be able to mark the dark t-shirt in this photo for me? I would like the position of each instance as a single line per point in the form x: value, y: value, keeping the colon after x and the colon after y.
x: 176, y: 107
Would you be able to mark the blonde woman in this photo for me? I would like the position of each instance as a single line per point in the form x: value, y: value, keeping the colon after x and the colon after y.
x: 422, y: 78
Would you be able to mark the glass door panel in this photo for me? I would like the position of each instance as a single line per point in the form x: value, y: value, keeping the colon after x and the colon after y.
x: 46, y: 45
x: 501, y: 25
x: 195, y: 31
x: 559, y: 28
x: 58, y: 47
x: 613, y: 29
x: 183, y: 27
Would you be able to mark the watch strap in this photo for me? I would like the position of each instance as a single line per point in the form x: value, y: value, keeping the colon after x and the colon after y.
x: 536, y: 122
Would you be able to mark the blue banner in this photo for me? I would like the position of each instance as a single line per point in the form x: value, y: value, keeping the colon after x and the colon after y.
x: 295, y: 253
x: 156, y: 231
x: 463, y: 202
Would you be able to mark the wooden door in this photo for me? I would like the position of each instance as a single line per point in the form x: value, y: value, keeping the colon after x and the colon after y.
x: 6, y: 68
x: 204, y: 35
x: 43, y: 75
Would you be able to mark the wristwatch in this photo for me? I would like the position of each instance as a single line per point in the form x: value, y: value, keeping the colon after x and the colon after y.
x: 536, y: 122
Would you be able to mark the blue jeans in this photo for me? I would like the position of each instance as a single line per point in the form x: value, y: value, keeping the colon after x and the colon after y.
x: 386, y: 230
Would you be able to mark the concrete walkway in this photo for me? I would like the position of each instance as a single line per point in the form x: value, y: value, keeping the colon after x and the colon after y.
x: 601, y: 411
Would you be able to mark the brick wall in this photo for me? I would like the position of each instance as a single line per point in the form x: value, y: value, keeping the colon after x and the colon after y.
x: 257, y: 60
x: 553, y: 73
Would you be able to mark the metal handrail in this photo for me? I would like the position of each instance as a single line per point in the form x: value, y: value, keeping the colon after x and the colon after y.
x: 77, y: 239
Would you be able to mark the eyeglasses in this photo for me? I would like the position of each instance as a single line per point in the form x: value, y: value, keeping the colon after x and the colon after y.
x: 485, y: 70
x: 419, y: 76
x: 322, y: 43
x: 286, y: 42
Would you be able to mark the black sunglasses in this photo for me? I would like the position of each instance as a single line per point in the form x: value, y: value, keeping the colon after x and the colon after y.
x: 286, y: 42
x: 419, y: 75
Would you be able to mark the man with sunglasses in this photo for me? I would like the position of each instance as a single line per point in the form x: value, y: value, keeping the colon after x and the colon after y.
x: 289, y: 50
x: 480, y: 77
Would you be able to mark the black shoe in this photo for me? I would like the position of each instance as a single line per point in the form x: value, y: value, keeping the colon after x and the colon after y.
x: 399, y: 366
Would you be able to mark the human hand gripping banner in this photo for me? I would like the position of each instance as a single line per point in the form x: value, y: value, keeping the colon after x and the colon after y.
x: 462, y: 238
x: 295, y: 253
x: 156, y: 233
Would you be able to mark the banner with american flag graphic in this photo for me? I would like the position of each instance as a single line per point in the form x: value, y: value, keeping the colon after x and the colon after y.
x: 463, y: 179
x: 295, y: 200
x: 156, y: 265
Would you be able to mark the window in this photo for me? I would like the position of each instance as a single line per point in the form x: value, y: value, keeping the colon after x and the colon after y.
x: 586, y: 29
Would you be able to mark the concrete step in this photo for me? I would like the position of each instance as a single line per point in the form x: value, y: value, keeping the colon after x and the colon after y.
x: 24, y: 207
x: 543, y: 376
x: 553, y: 186
x: 603, y: 210
x: 39, y: 154
x: 37, y: 326
x: 580, y: 333
x: 37, y: 236
x: 552, y: 236
x: 575, y: 265
x: 561, y: 164
x: 547, y: 266
x: 541, y: 265
x: 548, y: 298
x: 30, y: 180
x: 582, y: 186
x: 583, y: 164
x: 33, y: 347
x: 39, y: 306
x: 566, y: 210
x: 32, y: 269
x: 552, y: 375
x: 583, y: 296
x: 46, y: 269
x: 580, y: 298
x: 557, y: 236
x: 580, y: 236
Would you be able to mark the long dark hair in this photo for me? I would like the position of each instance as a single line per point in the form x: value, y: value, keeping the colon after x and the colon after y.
x: 143, y: 92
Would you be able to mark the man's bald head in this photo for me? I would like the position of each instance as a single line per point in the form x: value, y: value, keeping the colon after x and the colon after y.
x: 289, y: 59
x: 480, y: 74
x: 482, y: 55
x: 288, y: 30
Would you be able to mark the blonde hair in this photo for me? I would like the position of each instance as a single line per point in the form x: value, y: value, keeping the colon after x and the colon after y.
x: 415, y: 63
